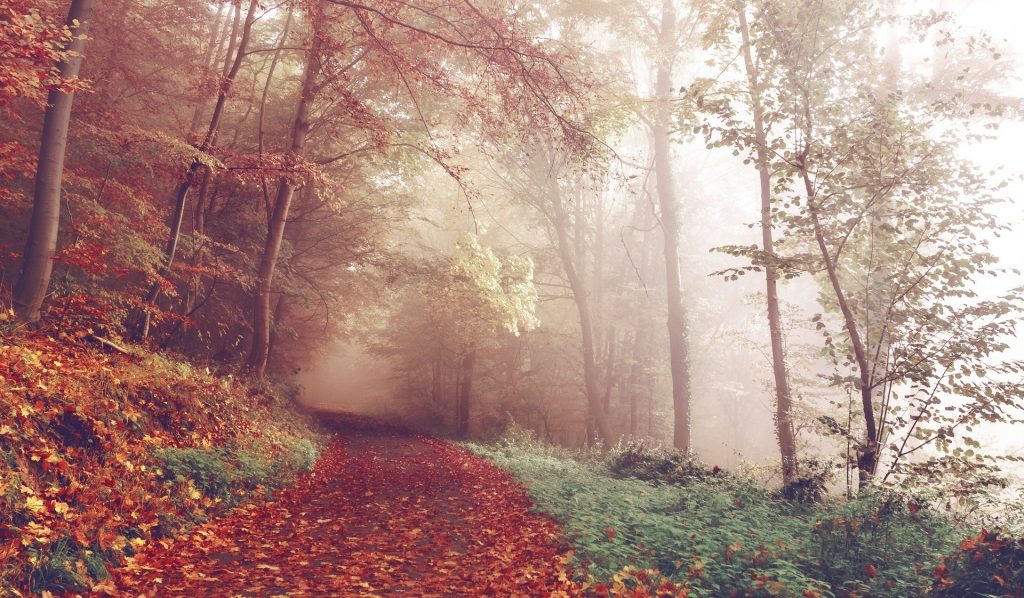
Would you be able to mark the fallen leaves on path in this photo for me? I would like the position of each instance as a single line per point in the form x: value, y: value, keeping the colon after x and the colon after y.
x: 382, y: 513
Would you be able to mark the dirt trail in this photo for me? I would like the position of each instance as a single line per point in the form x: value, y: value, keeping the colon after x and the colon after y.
x: 383, y: 513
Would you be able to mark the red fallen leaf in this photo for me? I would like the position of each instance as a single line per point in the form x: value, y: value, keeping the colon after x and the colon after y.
x: 870, y: 570
x: 610, y: 532
x: 941, y: 571
x: 478, y: 533
x: 913, y: 506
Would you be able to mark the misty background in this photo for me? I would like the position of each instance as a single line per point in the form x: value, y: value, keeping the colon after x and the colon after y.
x: 731, y: 375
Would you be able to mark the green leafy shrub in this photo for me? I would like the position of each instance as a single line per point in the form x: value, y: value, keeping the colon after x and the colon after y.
x: 639, y: 460
x: 643, y: 516
x: 229, y: 472
x: 95, y: 565
x: 210, y: 469
x: 809, y: 486
x: 880, y: 543
x: 299, y: 453
x: 715, y: 537
x: 988, y: 564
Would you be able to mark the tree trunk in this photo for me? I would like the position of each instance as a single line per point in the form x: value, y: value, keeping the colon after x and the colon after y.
x: 270, y: 78
x: 868, y: 453
x: 579, y: 293
x: 465, y: 390
x: 208, y: 59
x: 257, y: 361
x: 41, y: 245
x: 436, y: 388
x: 609, y: 371
x: 669, y: 207
x: 783, y: 397
x: 632, y: 407
x: 181, y: 194
x: 275, y: 332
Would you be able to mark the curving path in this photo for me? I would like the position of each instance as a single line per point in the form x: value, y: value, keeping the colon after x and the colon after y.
x: 383, y: 513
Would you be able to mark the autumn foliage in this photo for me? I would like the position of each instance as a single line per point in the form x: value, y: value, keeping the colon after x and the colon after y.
x: 82, y: 484
x: 990, y: 563
x: 474, y: 194
x: 31, y: 38
x: 383, y: 511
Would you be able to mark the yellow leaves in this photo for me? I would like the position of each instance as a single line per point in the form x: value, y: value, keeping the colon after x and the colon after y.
x: 89, y: 484
x: 107, y: 587
x: 696, y: 569
x: 732, y: 549
x: 121, y: 542
x: 36, y: 532
x: 35, y: 504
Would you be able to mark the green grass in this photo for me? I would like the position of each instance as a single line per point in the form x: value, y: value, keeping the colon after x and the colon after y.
x: 230, y: 472
x: 722, y: 535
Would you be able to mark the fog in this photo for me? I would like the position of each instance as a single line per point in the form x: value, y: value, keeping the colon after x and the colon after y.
x: 758, y: 262
x: 405, y: 366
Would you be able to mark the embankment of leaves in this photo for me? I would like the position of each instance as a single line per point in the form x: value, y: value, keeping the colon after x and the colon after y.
x: 102, y: 453
x: 695, y: 531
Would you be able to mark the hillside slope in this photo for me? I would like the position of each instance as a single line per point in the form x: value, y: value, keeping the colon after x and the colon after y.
x: 103, y: 453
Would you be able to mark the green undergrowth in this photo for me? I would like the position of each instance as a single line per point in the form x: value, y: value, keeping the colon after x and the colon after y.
x: 636, y: 517
x: 231, y: 472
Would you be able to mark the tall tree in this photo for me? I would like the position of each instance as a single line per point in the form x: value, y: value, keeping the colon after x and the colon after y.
x: 783, y: 396
x: 872, y: 183
x: 199, y: 164
x: 41, y: 245
x: 561, y: 223
x: 668, y: 203
x: 262, y: 320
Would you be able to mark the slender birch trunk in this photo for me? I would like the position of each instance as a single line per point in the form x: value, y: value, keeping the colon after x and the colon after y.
x: 783, y: 396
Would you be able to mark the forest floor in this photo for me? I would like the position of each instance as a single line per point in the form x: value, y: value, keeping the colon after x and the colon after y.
x: 383, y: 512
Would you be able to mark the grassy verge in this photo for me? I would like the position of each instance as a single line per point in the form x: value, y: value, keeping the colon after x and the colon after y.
x: 641, y: 519
x: 103, y: 453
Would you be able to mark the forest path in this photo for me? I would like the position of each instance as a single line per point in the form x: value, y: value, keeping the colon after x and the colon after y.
x: 384, y: 512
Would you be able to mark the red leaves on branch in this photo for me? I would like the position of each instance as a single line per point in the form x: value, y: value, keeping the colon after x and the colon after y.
x: 382, y: 512
x: 31, y: 43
